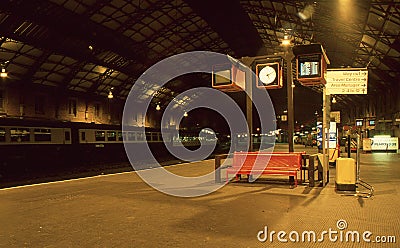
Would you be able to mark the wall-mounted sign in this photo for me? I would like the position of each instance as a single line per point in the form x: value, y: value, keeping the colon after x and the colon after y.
x: 332, y: 135
x: 384, y: 143
x: 359, y: 123
x: 319, y: 135
x: 347, y: 81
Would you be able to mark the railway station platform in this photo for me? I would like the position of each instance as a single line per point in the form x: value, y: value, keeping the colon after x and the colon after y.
x: 120, y: 210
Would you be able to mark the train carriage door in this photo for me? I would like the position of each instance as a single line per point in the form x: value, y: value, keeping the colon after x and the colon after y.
x: 67, y: 136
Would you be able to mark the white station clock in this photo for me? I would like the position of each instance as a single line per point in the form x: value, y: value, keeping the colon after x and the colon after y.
x: 269, y: 75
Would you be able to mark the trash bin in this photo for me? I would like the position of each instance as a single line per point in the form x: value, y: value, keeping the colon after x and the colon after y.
x: 345, y: 174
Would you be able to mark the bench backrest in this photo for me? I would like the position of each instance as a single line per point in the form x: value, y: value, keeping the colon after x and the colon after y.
x: 261, y: 160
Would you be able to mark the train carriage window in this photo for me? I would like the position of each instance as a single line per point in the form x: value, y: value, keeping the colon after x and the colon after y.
x: 20, y: 135
x: 42, y: 134
x: 155, y: 136
x: 83, y: 136
x: 111, y: 136
x: 100, y: 136
x: 119, y: 135
x: 148, y: 136
x: 124, y: 136
x: 67, y: 136
x: 131, y: 136
x: 2, y: 134
x: 140, y: 136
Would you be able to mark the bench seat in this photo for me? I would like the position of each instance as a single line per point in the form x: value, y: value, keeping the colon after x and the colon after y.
x: 256, y: 163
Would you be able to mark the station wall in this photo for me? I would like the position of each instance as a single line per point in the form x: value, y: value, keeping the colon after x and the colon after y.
x: 45, y: 103
x: 383, y: 107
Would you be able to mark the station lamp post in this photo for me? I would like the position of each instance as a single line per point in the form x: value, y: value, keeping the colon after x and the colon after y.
x: 288, y: 56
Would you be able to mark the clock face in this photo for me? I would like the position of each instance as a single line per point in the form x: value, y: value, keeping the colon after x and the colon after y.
x: 267, y: 75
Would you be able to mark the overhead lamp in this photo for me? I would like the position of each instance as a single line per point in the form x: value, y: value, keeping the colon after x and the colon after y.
x: 333, y: 100
x: 286, y: 41
x: 185, y: 114
x: 110, y: 94
x: 3, y: 73
x: 158, y: 107
x: 286, y: 38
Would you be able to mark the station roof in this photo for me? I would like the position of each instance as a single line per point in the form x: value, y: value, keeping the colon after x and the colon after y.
x: 92, y: 45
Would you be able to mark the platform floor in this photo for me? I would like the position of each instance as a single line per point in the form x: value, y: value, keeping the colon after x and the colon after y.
x: 122, y: 211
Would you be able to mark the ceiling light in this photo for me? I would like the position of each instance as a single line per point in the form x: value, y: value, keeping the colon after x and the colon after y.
x: 285, y: 42
x: 333, y: 100
x: 110, y: 95
x: 185, y: 114
x: 3, y: 73
x: 158, y: 107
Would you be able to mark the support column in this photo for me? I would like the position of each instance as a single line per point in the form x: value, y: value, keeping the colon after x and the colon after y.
x: 326, y: 100
x: 249, y: 107
x: 289, y: 81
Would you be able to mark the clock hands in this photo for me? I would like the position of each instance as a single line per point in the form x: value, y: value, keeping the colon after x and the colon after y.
x: 270, y: 74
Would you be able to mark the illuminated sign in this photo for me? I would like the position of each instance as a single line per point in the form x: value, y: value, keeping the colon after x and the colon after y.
x: 332, y: 135
x: 359, y: 123
x: 227, y: 77
x: 309, y: 66
x: 311, y: 63
x: 384, y: 143
x: 371, y: 122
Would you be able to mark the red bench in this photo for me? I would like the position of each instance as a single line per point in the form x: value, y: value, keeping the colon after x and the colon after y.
x: 257, y: 163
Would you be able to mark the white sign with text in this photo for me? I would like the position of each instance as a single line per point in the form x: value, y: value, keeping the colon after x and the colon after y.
x: 349, y: 81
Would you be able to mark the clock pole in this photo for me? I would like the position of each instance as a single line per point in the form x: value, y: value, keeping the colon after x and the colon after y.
x: 289, y: 81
